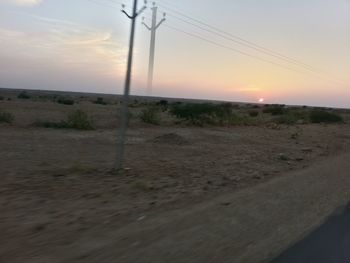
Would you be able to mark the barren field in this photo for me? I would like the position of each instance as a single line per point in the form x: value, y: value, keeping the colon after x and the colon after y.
x: 56, y: 183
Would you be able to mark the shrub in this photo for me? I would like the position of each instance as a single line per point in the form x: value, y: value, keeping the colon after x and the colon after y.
x: 163, y: 103
x: 48, y: 124
x: 288, y: 119
x: 6, y: 117
x: 23, y: 95
x: 253, y: 113
x: 192, y: 111
x: 275, y: 110
x: 79, y: 120
x: 65, y: 101
x: 293, y: 116
x: 195, y: 113
x: 100, y: 101
x: 2, y: 98
x: 76, y: 120
x: 206, y: 113
x: 150, y: 115
x: 321, y: 116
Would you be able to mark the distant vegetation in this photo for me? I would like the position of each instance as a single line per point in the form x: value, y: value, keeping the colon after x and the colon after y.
x: 23, y: 95
x: 76, y: 120
x: 194, y: 112
x: 169, y: 112
x: 65, y: 101
x: 253, y: 113
x: 322, y: 116
x: 100, y: 101
x: 6, y: 117
x: 207, y: 113
x: 150, y: 115
x: 274, y: 109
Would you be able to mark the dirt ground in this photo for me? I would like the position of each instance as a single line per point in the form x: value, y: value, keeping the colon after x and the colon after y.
x: 56, y: 184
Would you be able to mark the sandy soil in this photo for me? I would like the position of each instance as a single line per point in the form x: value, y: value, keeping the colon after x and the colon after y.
x: 56, y: 186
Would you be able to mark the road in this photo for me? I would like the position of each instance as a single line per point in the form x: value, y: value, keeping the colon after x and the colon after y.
x: 327, y: 244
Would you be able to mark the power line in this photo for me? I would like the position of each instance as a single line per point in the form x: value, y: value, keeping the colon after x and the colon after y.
x: 203, y: 38
x: 231, y: 48
x: 241, y: 41
x: 237, y: 39
x: 246, y: 43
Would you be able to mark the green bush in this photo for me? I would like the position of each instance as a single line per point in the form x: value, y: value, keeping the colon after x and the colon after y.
x: 6, y: 117
x: 253, y: 113
x: 288, y: 119
x: 150, y: 115
x: 48, y: 124
x: 76, y: 120
x: 194, y: 112
x: 100, y: 101
x: 79, y: 120
x: 275, y: 110
x: 65, y: 101
x: 23, y: 95
x: 293, y: 116
x: 321, y: 116
x: 207, y: 113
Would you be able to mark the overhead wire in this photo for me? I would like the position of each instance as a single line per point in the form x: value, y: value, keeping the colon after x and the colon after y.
x: 238, y: 40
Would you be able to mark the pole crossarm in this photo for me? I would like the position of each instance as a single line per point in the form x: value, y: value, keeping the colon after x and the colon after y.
x: 148, y: 27
x: 160, y: 22
x: 136, y: 13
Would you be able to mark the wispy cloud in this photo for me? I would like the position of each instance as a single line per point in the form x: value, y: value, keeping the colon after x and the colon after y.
x: 66, y: 43
x: 22, y: 2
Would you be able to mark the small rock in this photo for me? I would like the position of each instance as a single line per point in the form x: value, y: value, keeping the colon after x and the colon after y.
x: 39, y: 227
x: 141, y: 218
x: 225, y: 203
x: 58, y: 175
x: 299, y: 159
x: 283, y: 157
x: 236, y: 178
x: 306, y: 150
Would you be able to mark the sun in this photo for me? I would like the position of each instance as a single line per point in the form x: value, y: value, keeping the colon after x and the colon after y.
x: 261, y: 100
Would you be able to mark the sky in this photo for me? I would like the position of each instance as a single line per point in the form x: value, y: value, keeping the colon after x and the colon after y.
x: 82, y: 45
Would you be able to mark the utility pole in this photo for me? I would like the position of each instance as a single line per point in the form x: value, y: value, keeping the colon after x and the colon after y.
x: 153, y: 28
x: 125, y: 106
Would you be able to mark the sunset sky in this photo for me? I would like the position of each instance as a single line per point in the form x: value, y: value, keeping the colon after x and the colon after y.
x: 81, y: 45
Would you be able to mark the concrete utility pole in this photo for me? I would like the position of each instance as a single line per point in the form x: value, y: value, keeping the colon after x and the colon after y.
x: 153, y: 28
x: 125, y: 106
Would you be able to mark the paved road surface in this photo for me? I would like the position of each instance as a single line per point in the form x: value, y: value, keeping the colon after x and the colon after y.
x: 330, y: 243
